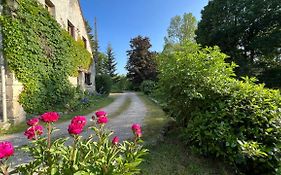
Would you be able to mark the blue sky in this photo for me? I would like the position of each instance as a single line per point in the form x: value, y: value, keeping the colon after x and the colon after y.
x: 118, y: 21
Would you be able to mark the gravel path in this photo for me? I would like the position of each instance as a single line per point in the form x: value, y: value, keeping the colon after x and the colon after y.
x: 121, y: 124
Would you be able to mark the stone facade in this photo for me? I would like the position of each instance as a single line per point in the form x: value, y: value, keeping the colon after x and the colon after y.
x: 69, y: 15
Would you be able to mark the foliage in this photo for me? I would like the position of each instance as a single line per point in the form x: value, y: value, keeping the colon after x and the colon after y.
x: 147, y: 87
x: 181, y: 29
x: 121, y: 84
x: 97, y: 154
x: 141, y: 63
x: 102, y: 64
x: 81, y: 100
x: 111, y: 63
x: 42, y: 55
x: 248, y: 31
x: 103, y: 84
x: 223, y: 117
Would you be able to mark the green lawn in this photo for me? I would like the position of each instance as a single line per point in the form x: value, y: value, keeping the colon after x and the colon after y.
x: 98, y: 103
x: 168, y: 155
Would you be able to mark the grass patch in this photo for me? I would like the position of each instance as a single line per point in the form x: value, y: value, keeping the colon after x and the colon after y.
x: 154, y: 121
x: 126, y: 104
x: 168, y: 155
x: 97, y: 103
x: 171, y: 157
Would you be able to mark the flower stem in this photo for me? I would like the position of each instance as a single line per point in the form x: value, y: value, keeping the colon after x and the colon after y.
x: 35, y: 133
x: 49, y: 135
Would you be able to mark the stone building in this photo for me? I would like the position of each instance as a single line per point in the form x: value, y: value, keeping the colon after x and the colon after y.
x: 69, y: 15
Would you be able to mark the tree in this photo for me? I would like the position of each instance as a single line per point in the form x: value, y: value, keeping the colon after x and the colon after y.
x: 111, y: 63
x: 141, y: 63
x: 249, y: 31
x: 90, y: 35
x: 181, y: 29
x: 102, y: 64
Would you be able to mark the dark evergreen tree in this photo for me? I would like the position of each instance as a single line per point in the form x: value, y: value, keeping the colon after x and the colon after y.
x: 111, y: 62
x: 141, y: 63
x: 102, y: 64
x: 249, y: 31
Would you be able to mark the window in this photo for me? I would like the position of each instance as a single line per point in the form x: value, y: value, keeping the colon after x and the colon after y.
x: 85, y: 42
x: 71, y: 29
x: 88, y: 78
x: 50, y: 7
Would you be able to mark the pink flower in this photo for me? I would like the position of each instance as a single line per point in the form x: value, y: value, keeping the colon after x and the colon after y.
x: 138, y: 133
x: 136, y: 127
x: 6, y: 149
x: 49, y: 117
x: 100, y: 113
x: 33, y: 122
x: 79, y: 120
x: 32, y: 131
x: 75, y: 129
x: 137, y: 130
x: 115, y: 140
x: 102, y: 120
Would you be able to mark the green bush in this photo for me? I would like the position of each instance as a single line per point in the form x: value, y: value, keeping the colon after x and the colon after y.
x: 223, y: 117
x: 147, y: 86
x: 103, y: 84
x: 120, y: 84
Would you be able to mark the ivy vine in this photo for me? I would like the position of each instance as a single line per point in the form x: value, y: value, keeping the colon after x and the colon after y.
x: 42, y: 55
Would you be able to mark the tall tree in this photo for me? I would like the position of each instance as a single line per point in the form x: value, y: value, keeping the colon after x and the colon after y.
x: 249, y: 31
x: 141, y: 63
x: 111, y: 62
x: 90, y: 35
x: 102, y: 64
x: 181, y: 29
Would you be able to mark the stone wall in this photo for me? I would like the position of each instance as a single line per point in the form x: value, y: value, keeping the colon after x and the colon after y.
x: 69, y: 10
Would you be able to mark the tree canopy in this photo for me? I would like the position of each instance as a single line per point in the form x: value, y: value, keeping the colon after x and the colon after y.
x: 141, y: 63
x: 181, y: 29
x: 249, y: 31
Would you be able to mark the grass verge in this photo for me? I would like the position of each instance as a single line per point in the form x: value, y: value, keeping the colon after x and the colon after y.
x: 99, y: 102
x: 154, y: 121
x: 169, y: 156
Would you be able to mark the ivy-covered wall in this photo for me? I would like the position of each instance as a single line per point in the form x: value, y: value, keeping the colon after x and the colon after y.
x: 42, y: 56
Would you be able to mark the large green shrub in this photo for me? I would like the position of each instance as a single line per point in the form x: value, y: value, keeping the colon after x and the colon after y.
x: 223, y: 117
x: 103, y: 84
x: 147, y: 86
x: 42, y: 55
x: 121, y: 84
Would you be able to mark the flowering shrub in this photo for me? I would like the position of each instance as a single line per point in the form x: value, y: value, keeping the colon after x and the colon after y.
x: 97, y: 154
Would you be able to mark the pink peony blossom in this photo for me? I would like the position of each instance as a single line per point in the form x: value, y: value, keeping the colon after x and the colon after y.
x: 33, y: 122
x: 6, y: 149
x: 136, y: 127
x: 115, y: 140
x: 75, y: 129
x: 138, y: 133
x: 79, y: 120
x: 100, y: 113
x: 31, y: 131
x: 49, y: 117
x: 102, y: 120
x: 137, y: 130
